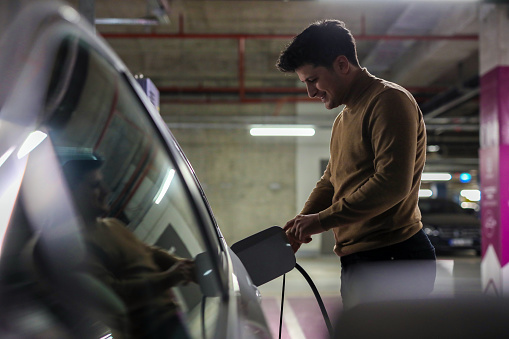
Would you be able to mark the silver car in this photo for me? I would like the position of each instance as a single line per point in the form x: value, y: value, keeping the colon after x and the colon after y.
x: 66, y: 99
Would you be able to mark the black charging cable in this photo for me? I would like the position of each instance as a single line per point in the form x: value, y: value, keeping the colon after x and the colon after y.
x: 282, y: 304
x: 317, y: 296
x: 203, y: 301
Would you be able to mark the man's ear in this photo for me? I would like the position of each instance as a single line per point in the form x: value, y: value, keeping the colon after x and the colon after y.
x: 341, y: 64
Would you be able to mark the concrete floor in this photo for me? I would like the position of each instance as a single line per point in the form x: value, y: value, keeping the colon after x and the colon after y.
x: 457, y: 275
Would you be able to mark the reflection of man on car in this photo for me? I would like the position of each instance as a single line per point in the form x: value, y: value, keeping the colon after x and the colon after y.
x: 140, y: 274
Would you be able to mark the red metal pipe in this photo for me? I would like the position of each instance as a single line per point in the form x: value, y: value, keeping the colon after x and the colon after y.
x: 269, y: 90
x: 242, y: 90
x: 238, y: 101
x: 232, y: 90
x: 279, y: 101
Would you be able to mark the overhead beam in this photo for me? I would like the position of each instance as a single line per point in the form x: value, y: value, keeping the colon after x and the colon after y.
x: 183, y: 35
x: 452, y: 104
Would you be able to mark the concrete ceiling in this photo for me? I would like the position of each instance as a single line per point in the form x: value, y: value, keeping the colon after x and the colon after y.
x: 214, y: 61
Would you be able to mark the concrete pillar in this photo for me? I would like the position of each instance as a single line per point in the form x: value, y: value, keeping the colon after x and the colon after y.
x: 309, y: 154
x: 494, y: 152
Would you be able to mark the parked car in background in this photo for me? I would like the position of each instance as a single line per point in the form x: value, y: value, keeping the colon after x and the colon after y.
x: 450, y: 227
x: 65, y: 96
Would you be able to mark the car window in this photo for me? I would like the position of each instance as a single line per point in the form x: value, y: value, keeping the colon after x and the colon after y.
x: 139, y: 225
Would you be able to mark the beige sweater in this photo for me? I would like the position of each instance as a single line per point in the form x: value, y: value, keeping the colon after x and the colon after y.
x: 369, y: 192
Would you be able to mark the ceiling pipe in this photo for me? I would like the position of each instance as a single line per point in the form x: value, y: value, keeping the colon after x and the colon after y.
x: 453, y: 104
x: 450, y: 94
x: 362, y: 36
x: 242, y: 90
x: 281, y: 95
x: 264, y: 90
x: 230, y: 90
x: 209, y: 101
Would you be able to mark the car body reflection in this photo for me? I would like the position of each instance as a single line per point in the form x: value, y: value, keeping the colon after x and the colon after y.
x: 64, y: 89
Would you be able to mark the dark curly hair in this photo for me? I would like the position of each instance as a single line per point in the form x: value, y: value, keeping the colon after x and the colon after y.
x: 319, y: 45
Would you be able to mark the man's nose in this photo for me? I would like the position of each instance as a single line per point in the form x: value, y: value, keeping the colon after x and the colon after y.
x: 311, y: 91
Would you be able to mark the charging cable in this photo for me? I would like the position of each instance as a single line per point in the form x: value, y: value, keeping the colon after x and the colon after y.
x: 282, y: 304
x: 317, y: 296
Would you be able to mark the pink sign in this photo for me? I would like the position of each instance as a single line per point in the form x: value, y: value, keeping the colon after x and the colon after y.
x: 494, y: 162
x: 504, y: 203
x: 490, y: 202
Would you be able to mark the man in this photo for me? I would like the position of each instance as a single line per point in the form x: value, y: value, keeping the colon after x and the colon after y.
x: 141, y: 275
x: 368, y: 193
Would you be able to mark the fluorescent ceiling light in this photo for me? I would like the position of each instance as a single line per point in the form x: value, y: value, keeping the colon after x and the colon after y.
x: 472, y: 195
x: 470, y: 205
x: 433, y: 148
x: 282, y: 130
x: 430, y: 176
x: 32, y: 141
x: 423, y: 193
x: 166, y: 185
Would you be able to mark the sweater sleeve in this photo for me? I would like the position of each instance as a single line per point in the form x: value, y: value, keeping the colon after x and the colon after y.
x: 133, y: 288
x: 392, y: 126
x: 162, y: 258
x: 321, y: 196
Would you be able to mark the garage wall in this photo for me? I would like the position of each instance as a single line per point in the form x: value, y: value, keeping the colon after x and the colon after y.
x: 249, y: 181
x: 255, y: 182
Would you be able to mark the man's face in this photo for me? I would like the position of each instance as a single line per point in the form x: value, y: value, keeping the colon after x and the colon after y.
x: 325, y: 84
x: 91, y: 194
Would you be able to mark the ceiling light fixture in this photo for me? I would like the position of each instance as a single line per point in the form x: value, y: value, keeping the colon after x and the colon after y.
x: 282, y: 130
x: 472, y: 195
x: 438, y: 176
x: 433, y: 148
x: 425, y: 193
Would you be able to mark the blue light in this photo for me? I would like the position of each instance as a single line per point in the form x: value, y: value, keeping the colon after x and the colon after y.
x: 465, y: 177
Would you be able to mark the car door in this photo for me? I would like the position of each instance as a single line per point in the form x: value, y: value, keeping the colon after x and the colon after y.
x: 88, y: 125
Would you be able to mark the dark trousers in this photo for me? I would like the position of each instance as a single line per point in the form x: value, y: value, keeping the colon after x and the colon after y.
x: 406, y: 270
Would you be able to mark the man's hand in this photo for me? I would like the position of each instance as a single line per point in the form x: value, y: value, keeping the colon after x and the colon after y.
x: 300, y: 229
x: 182, y: 272
x: 293, y: 242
